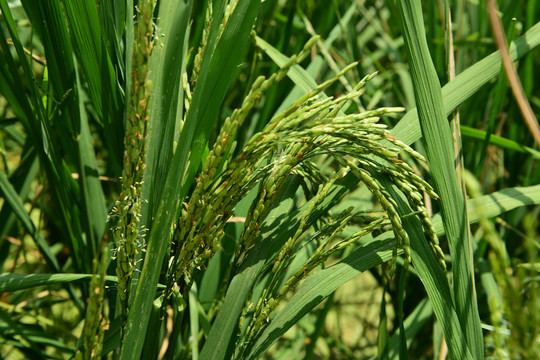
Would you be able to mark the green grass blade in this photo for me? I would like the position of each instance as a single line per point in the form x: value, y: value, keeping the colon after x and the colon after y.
x: 382, y: 335
x: 314, y: 68
x: 14, y: 282
x: 12, y: 199
x: 194, y: 321
x: 498, y: 141
x: 9, y: 64
x: 211, y: 88
x: 93, y: 198
x: 437, y: 140
x: 153, y: 344
x: 217, y: 72
x: 13, y: 94
x: 320, y: 284
x: 316, y: 65
x: 303, y: 80
x: 112, y: 15
x: 39, y: 129
x: 223, y: 330
x: 21, y: 334
x: 167, y: 65
x: 50, y: 25
x: 158, y: 243
x: 74, y: 121
x: 402, y: 335
x: 21, y: 180
x: 416, y: 320
x: 276, y: 229
x: 468, y: 83
x: 499, y: 98
x: 434, y: 281
x: 92, y: 53
x: 496, y: 203
x: 298, y: 75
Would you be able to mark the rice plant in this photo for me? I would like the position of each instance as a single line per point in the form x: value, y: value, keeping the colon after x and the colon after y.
x: 200, y: 179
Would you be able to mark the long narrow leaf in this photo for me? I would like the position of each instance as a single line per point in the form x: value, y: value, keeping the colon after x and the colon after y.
x: 92, y: 53
x: 276, y: 230
x: 320, y: 284
x: 498, y: 141
x: 12, y: 199
x: 40, y: 131
x: 468, y: 83
x: 14, y: 282
x: 224, y: 328
x: 63, y: 76
x: 196, y: 129
x: 21, y: 180
x: 213, y: 83
x: 167, y: 65
x: 437, y: 140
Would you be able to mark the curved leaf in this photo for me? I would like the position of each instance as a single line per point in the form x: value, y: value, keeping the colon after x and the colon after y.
x: 322, y: 283
x: 14, y: 282
x: 437, y: 140
x: 467, y: 83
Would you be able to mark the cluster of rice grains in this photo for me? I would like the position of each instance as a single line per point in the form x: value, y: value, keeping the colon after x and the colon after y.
x: 312, y: 130
x: 96, y: 320
x: 314, y: 127
x: 203, y: 218
x: 127, y: 210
